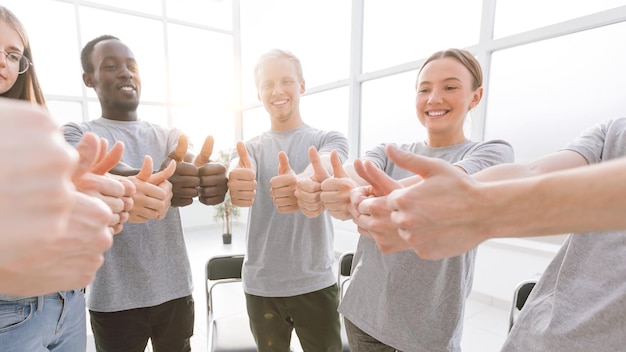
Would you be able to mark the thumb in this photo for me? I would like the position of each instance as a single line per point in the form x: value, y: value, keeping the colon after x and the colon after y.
x: 319, y: 172
x: 419, y: 165
x: 109, y: 160
x: 205, y: 153
x: 181, y: 148
x: 244, y: 158
x: 104, y: 146
x: 338, y: 171
x: 146, y: 169
x: 88, y: 150
x: 380, y: 183
x: 164, y: 174
x: 283, y: 164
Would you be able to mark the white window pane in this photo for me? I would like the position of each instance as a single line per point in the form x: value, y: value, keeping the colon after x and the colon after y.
x: 514, y: 16
x: 203, y: 73
x: 400, y: 31
x: 327, y: 110
x: 317, y: 32
x: 153, y: 7
x: 63, y: 111
x: 143, y: 37
x: 57, y: 61
x: 200, y: 122
x: 543, y: 95
x: 388, y: 112
x: 255, y: 122
x: 214, y: 13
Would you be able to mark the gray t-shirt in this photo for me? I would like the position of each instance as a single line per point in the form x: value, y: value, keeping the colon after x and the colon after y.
x: 579, y: 304
x: 288, y: 254
x: 406, y: 302
x: 147, y: 264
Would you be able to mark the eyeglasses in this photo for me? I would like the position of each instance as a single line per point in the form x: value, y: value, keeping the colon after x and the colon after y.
x: 17, y: 61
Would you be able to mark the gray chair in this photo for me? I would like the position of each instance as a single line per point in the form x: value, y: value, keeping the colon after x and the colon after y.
x: 520, y: 295
x: 229, y: 330
x: 343, y: 276
x: 344, y: 271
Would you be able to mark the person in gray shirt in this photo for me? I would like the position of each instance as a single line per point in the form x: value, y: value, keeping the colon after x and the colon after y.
x: 579, y: 303
x: 399, y: 301
x: 288, y: 274
x: 144, y: 288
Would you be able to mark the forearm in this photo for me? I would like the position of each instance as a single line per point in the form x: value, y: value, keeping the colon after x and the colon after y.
x: 584, y: 199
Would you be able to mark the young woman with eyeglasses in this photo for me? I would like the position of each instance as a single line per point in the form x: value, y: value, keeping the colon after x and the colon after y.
x: 18, y: 79
x: 67, y: 257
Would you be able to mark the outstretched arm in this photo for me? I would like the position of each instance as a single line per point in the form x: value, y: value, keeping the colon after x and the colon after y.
x: 449, y: 213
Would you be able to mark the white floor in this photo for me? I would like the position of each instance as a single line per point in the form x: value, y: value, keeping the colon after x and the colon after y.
x: 485, y: 324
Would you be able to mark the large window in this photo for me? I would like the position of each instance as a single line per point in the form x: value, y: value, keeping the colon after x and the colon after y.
x: 403, y: 31
x: 317, y: 32
x: 552, y: 67
x: 514, y: 16
x: 186, y: 58
x: 396, y: 120
x: 542, y: 95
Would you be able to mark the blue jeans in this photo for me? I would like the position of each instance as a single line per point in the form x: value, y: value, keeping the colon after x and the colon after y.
x: 54, y: 322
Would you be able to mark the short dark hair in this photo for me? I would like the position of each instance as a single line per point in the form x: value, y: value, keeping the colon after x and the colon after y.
x: 85, y: 54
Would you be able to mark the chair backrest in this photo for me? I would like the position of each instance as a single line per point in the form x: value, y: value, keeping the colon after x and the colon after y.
x: 222, y: 267
x: 520, y: 295
x: 227, y: 332
x: 343, y: 276
x: 344, y: 271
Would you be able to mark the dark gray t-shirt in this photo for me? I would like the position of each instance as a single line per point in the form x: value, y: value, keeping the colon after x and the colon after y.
x: 406, y: 302
x: 579, y: 304
x: 147, y: 264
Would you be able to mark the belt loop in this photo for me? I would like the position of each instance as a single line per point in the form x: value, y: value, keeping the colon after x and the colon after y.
x: 40, y: 300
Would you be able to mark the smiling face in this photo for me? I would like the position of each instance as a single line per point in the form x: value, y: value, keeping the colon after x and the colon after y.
x: 10, y: 42
x: 115, y: 79
x: 279, y: 88
x: 445, y: 94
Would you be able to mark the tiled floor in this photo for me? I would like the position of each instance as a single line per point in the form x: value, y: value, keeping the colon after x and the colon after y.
x: 485, y: 324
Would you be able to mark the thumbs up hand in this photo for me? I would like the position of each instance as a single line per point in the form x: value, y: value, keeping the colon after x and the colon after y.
x: 205, y: 153
x: 308, y: 189
x: 283, y: 186
x: 242, y: 178
x: 153, y: 197
x: 336, y: 190
x: 213, y: 181
x: 185, y: 181
x: 370, y: 210
x: 91, y: 178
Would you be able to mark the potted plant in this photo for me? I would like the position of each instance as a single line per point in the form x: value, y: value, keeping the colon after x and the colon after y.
x: 226, y: 211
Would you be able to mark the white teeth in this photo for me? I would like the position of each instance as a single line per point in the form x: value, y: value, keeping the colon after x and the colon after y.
x: 127, y: 88
x: 280, y: 102
x: 436, y: 113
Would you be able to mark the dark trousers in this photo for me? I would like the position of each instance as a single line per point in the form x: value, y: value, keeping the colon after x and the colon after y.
x: 360, y: 341
x: 168, y: 325
x: 313, y: 315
